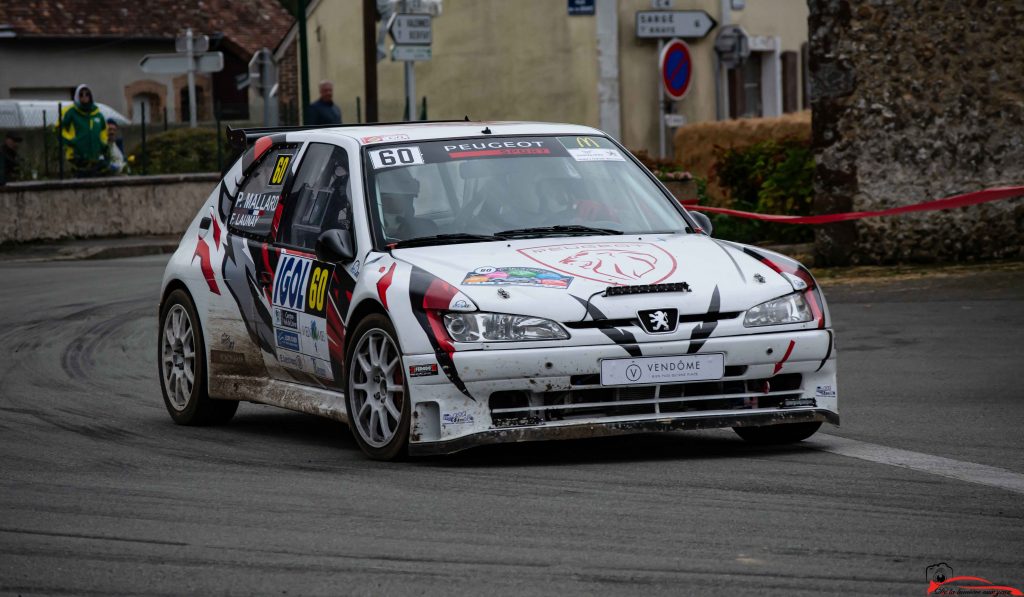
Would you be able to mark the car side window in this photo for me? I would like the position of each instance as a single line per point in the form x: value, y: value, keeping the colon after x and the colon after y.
x: 319, y: 198
x: 256, y: 203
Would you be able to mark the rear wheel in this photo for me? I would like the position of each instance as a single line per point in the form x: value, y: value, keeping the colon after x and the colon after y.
x: 377, y: 396
x: 788, y: 433
x: 182, y: 361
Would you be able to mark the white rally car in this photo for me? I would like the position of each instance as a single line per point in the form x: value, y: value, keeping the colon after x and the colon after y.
x: 443, y: 285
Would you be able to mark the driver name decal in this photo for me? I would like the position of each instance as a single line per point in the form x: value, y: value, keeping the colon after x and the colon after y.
x: 615, y: 263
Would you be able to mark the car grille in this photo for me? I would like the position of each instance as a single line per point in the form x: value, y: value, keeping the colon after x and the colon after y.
x: 519, y: 408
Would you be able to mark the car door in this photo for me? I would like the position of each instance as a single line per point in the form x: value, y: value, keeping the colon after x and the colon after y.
x: 309, y: 296
x: 256, y: 210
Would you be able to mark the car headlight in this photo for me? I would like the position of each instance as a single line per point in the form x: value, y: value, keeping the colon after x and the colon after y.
x: 501, y: 327
x: 792, y: 308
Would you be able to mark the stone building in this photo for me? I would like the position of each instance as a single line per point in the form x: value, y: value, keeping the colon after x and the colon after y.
x: 533, y: 60
x: 48, y: 47
x: 915, y: 101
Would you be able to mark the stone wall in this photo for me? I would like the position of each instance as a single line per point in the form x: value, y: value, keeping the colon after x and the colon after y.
x: 915, y: 100
x: 139, y: 205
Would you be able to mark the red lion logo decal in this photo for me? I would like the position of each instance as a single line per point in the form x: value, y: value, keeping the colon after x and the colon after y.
x: 617, y: 264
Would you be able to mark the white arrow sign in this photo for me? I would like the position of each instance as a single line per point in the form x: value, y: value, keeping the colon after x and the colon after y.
x: 169, y: 64
x: 411, y: 30
x: 690, y: 24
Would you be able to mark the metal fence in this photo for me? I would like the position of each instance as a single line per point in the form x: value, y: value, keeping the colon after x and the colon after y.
x: 153, y: 145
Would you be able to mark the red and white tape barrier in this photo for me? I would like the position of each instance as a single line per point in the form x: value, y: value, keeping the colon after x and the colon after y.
x: 985, y: 196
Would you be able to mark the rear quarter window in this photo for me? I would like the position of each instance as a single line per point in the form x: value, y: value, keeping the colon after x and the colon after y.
x: 256, y: 204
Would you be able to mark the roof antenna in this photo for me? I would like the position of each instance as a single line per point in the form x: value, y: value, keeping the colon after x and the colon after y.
x: 486, y: 131
x: 467, y: 117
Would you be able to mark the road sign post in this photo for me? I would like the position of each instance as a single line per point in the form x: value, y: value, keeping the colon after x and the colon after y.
x: 192, y: 58
x: 676, y: 67
x: 413, y: 35
x: 666, y: 24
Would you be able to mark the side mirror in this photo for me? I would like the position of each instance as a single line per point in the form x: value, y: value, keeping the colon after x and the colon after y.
x: 335, y: 245
x: 702, y: 220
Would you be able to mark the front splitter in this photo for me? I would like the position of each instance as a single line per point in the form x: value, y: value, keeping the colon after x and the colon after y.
x: 606, y: 429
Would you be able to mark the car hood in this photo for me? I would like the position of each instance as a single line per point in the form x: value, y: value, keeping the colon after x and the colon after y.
x: 565, y: 278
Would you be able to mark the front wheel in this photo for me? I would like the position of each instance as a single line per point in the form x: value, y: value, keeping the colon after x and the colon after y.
x: 378, y: 397
x: 788, y: 433
x: 182, y: 361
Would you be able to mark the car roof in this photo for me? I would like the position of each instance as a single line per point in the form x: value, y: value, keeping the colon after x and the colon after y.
x: 425, y: 131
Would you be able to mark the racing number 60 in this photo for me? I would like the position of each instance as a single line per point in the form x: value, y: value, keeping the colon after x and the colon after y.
x: 317, y: 288
x: 396, y: 156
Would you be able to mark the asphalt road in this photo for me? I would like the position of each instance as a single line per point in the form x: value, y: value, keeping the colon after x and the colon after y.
x: 101, y: 494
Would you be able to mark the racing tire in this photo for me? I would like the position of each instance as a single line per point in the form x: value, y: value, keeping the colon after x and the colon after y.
x: 377, y: 395
x: 787, y: 433
x: 181, y: 361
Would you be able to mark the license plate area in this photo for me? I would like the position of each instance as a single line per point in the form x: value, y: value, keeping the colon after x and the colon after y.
x: 662, y: 370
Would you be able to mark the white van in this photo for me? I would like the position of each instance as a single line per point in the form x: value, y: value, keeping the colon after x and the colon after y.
x: 26, y: 114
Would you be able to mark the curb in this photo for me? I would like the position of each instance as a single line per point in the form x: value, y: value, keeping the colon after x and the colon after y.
x: 82, y: 253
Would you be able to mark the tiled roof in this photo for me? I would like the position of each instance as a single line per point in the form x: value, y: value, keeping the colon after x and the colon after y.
x: 249, y: 24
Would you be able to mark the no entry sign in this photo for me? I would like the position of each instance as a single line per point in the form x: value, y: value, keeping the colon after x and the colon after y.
x: 676, y: 69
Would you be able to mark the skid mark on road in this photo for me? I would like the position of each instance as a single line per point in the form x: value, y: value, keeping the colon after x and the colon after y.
x: 918, y: 461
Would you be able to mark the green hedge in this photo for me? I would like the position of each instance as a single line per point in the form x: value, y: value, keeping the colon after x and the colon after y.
x: 180, y: 151
x: 768, y: 177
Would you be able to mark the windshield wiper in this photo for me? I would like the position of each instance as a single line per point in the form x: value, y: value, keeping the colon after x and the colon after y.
x: 442, y: 239
x: 557, y: 231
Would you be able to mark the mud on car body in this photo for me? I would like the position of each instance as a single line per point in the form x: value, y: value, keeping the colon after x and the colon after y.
x: 443, y: 285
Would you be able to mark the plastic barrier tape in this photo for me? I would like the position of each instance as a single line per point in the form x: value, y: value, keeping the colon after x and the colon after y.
x: 994, y: 194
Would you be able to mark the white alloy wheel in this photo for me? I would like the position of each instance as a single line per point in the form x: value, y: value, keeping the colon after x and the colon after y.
x: 376, y: 388
x: 178, y: 357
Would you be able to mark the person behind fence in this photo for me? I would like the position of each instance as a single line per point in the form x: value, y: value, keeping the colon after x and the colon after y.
x: 11, y: 169
x: 85, y: 135
x: 324, y: 110
x: 116, y: 144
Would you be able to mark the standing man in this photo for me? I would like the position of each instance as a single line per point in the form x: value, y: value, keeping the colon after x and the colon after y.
x: 85, y: 135
x: 324, y: 110
x: 116, y: 145
x: 9, y: 156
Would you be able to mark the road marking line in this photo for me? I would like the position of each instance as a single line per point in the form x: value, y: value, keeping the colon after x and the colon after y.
x: 937, y: 465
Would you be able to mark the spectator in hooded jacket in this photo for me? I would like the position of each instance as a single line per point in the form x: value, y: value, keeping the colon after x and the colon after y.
x: 85, y: 135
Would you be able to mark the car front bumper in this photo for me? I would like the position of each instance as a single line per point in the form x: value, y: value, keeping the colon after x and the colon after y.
x: 771, y: 378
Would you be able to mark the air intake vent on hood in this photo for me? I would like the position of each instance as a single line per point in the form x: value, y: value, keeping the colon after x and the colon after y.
x: 647, y: 289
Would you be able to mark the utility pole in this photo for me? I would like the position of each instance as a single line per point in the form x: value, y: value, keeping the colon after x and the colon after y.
x: 304, y: 59
x: 370, y: 58
x: 189, y: 53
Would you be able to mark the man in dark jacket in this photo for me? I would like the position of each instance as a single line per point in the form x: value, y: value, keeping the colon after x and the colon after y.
x: 324, y: 110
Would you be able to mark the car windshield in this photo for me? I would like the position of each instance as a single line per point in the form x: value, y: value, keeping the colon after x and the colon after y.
x: 470, y: 190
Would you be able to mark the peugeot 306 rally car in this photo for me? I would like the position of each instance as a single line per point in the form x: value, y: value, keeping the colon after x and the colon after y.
x: 443, y: 285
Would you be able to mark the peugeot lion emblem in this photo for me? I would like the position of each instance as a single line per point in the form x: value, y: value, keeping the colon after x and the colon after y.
x: 659, y: 321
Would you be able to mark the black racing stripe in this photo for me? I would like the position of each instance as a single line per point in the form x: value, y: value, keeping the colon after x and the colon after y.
x: 624, y: 339
x: 702, y: 331
x: 831, y: 341
x: 592, y: 311
x: 262, y: 329
x: 419, y: 283
x: 225, y: 201
x: 621, y: 337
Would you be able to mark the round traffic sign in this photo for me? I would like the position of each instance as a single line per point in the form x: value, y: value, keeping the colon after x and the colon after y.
x: 676, y: 69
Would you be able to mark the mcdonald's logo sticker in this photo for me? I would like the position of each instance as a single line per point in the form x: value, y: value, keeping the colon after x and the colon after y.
x: 587, y: 142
